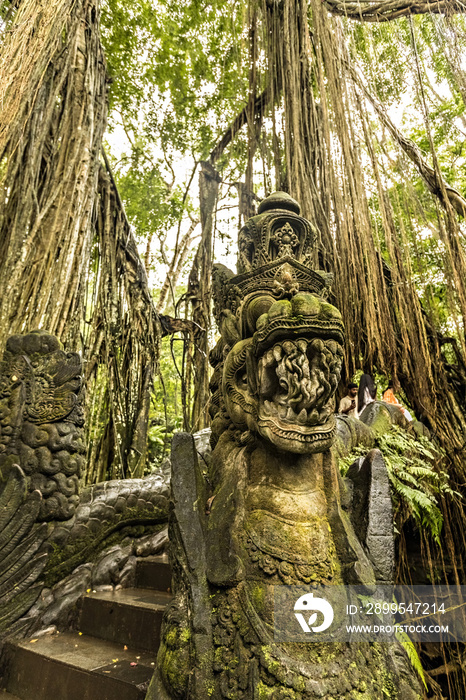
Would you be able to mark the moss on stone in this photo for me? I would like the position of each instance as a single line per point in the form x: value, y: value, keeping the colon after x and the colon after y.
x: 280, y: 309
x: 63, y: 560
x: 176, y: 670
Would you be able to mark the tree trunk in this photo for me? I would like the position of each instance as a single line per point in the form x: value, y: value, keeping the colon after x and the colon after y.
x: 52, y: 117
x: 200, y: 293
x: 122, y: 365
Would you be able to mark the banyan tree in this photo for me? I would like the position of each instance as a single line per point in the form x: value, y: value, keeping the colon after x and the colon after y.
x: 312, y: 111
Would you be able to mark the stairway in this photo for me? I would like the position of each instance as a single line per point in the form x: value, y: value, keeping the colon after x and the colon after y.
x: 111, y: 655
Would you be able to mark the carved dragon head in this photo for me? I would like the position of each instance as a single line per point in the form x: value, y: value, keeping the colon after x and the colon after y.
x: 281, y: 340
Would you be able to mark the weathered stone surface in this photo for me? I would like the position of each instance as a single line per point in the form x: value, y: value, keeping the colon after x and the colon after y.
x: 22, y: 553
x: 42, y: 420
x: 372, y: 513
x: 183, y: 642
x: 152, y: 544
x: 110, y: 570
x: 351, y: 432
x: 41, y: 460
x: 274, y: 509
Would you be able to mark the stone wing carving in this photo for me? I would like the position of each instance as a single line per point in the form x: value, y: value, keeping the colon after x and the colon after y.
x: 22, y: 558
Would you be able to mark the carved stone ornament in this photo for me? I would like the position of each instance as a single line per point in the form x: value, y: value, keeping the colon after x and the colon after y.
x: 41, y: 419
x: 276, y: 232
x: 277, y: 510
x: 275, y: 248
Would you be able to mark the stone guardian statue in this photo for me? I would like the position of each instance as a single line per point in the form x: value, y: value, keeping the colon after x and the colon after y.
x: 272, y: 490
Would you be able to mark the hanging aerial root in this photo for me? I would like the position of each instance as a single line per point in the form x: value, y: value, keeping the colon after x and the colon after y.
x: 370, y: 11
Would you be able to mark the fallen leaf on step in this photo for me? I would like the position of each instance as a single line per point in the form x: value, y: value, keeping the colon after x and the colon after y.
x: 133, y: 663
x: 114, y: 661
x: 125, y: 648
x: 31, y: 641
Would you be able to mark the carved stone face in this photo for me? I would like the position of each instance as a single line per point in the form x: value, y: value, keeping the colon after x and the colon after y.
x: 280, y: 383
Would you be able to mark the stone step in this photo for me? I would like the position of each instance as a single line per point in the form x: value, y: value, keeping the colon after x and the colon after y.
x: 130, y: 616
x: 73, y: 666
x: 154, y: 572
x: 4, y: 695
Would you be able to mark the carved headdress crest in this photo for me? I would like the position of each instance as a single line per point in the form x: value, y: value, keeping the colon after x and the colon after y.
x: 275, y: 252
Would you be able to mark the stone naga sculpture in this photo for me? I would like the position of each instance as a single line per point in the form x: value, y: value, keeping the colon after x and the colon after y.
x: 275, y: 497
x: 48, y: 525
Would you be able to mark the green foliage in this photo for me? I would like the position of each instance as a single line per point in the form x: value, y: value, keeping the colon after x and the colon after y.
x: 178, y: 78
x: 176, y: 69
x: 380, y: 45
x: 151, y: 203
x: 157, y: 438
x: 417, y: 480
x: 413, y: 478
x: 413, y: 68
x: 412, y: 654
x: 180, y: 75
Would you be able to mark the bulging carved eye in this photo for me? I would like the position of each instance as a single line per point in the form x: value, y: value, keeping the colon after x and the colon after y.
x: 254, y: 309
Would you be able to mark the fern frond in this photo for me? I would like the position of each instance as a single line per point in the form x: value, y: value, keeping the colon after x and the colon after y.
x: 413, y: 656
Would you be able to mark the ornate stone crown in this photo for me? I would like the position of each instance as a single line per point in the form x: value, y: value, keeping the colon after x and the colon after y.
x: 275, y: 252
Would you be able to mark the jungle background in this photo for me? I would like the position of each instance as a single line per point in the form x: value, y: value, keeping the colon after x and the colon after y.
x: 136, y: 138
